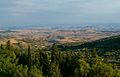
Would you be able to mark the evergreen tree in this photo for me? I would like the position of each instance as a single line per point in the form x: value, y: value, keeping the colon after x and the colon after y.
x: 1, y: 46
x: 54, y: 70
x: 94, y: 53
x: 34, y: 72
x: 29, y: 57
x: 101, y: 70
x: 83, y: 69
x: 55, y: 54
x: 44, y: 62
x: 8, y: 45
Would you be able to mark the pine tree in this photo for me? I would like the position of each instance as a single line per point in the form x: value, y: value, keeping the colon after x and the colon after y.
x: 1, y: 46
x: 8, y: 45
x: 55, y: 54
x: 29, y: 57
x: 54, y: 70
x: 44, y: 62
x: 85, y: 53
x: 94, y: 58
x: 82, y: 68
x: 94, y: 53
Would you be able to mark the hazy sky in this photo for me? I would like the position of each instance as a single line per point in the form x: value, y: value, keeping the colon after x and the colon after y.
x: 29, y: 12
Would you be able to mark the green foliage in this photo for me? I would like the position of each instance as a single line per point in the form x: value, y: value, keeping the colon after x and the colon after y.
x: 8, y: 45
x: 109, y: 43
x: 83, y: 69
x: 54, y: 70
x: 29, y: 58
x: 55, y: 54
x: 101, y: 70
x: 35, y: 72
x: 15, y: 62
x: 117, y: 73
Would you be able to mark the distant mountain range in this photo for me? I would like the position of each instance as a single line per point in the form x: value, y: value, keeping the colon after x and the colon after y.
x: 99, y: 27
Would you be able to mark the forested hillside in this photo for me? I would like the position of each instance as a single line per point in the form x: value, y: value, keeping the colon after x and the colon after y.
x: 18, y: 62
x: 109, y: 43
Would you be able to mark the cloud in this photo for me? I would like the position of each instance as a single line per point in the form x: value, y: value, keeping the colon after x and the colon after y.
x: 59, y: 11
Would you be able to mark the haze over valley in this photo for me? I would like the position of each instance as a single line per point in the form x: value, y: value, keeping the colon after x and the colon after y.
x: 42, y: 36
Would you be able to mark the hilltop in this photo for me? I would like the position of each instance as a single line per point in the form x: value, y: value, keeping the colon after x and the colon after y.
x: 110, y: 43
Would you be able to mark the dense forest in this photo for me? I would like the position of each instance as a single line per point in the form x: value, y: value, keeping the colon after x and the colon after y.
x: 85, y: 60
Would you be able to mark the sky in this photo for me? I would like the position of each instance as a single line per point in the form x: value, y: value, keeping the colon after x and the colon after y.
x: 33, y: 12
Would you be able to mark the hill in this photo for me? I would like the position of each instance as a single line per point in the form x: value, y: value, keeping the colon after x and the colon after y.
x: 105, y: 43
